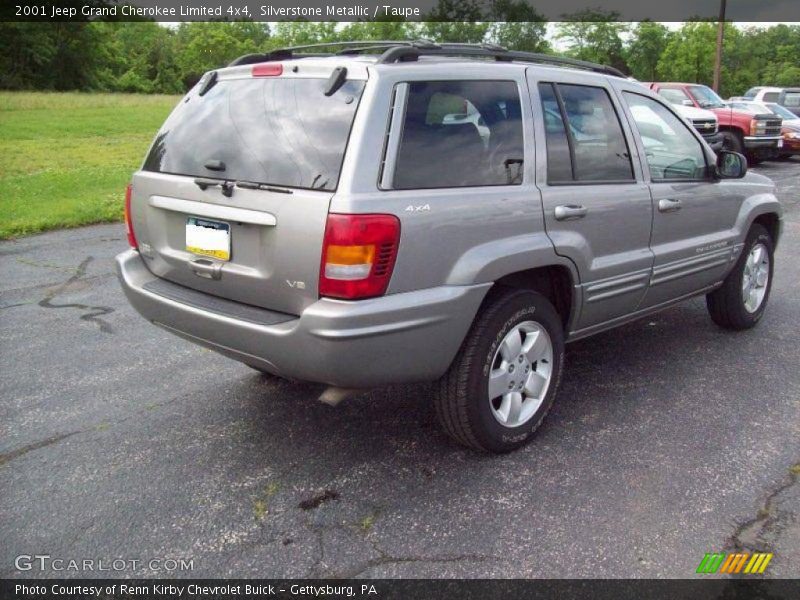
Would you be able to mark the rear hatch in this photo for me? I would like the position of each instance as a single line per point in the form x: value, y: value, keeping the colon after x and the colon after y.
x: 233, y: 196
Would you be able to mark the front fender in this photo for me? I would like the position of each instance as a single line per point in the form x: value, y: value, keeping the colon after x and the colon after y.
x: 753, y: 207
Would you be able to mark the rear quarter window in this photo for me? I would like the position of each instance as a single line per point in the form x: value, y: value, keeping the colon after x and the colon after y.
x: 460, y: 134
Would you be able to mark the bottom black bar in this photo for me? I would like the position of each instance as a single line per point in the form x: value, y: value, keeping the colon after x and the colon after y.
x: 413, y: 589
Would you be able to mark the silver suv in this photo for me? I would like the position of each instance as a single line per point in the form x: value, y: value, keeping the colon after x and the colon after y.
x: 385, y: 212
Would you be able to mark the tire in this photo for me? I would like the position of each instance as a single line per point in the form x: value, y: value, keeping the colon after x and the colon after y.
x: 727, y: 305
x: 462, y: 401
x: 732, y: 141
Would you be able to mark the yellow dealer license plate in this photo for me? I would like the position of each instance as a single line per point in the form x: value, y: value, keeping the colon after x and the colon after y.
x: 208, y: 238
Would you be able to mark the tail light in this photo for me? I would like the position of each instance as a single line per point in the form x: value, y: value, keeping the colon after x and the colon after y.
x: 128, y: 220
x: 358, y: 255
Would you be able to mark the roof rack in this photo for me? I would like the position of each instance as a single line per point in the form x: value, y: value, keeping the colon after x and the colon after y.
x: 394, y: 51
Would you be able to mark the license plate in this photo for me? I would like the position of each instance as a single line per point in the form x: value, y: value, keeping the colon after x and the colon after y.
x: 208, y: 238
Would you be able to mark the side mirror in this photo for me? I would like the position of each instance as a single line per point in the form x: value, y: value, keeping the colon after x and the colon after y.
x: 731, y: 165
x: 687, y: 102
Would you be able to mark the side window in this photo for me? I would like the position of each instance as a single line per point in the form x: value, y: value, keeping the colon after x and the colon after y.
x: 584, y: 136
x: 459, y: 134
x: 792, y: 99
x: 672, y: 151
x: 559, y: 162
x: 771, y: 97
x: 675, y: 96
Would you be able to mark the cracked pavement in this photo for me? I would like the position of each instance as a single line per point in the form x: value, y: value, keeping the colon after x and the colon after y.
x: 670, y: 439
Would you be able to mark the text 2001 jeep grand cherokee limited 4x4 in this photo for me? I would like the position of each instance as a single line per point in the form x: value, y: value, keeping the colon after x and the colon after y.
x: 453, y: 213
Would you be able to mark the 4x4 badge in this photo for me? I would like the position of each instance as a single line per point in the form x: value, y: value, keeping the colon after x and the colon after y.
x: 412, y: 208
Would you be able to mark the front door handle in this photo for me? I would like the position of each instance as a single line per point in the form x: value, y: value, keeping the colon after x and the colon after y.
x: 570, y: 212
x: 668, y: 205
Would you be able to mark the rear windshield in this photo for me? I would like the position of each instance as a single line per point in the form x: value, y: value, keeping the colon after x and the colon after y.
x: 277, y: 131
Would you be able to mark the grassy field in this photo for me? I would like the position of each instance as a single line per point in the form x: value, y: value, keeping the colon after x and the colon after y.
x: 66, y: 157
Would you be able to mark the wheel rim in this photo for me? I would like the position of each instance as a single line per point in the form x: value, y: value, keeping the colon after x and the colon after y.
x: 755, y: 278
x: 520, y: 376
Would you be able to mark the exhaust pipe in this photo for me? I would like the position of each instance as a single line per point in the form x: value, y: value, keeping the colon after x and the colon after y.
x: 333, y: 395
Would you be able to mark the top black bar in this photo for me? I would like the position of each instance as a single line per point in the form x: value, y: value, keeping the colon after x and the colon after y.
x: 783, y: 11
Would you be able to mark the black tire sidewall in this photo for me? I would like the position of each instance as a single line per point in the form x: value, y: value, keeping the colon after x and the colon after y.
x: 514, y: 309
x: 756, y: 235
x: 733, y: 142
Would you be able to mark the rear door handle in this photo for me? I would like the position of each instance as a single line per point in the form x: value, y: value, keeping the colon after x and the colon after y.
x: 570, y: 212
x: 669, y: 205
x: 206, y: 268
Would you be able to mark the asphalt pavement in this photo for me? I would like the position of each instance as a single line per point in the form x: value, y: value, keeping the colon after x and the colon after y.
x: 670, y: 438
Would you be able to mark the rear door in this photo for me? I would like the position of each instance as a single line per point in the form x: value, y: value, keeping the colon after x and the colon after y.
x: 233, y: 197
x: 693, y: 224
x: 597, y: 208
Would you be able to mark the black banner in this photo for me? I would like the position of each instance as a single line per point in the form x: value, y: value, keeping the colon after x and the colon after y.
x: 234, y: 589
x: 408, y: 10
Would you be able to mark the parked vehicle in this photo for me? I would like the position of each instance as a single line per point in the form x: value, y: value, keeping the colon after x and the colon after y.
x: 756, y: 136
x: 790, y: 130
x: 788, y: 97
x: 760, y: 108
x: 704, y: 121
x: 313, y: 217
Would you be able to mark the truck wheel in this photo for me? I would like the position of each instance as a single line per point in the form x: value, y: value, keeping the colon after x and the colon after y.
x: 740, y: 302
x: 503, y: 381
x: 732, y: 141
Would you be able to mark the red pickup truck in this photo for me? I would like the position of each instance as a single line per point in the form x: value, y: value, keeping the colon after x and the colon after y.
x: 756, y: 136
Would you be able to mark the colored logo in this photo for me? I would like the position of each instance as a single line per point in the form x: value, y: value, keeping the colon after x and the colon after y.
x: 740, y: 562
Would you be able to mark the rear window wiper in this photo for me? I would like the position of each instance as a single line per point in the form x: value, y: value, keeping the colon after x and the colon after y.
x: 252, y: 185
x: 204, y: 184
x: 227, y: 186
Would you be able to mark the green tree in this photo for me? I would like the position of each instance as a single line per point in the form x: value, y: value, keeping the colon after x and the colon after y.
x: 383, y: 29
x: 49, y: 56
x: 205, y: 46
x: 299, y: 33
x: 645, y: 47
x: 595, y: 36
x: 518, y: 26
x: 689, y: 57
x: 455, y: 21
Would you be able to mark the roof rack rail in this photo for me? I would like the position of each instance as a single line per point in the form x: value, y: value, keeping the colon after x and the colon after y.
x: 498, y: 53
x: 394, y: 51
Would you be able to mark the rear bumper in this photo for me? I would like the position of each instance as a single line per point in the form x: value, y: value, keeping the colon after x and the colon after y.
x: 398, y: 338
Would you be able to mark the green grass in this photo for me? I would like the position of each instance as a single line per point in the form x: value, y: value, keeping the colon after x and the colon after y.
x: 66, y: 157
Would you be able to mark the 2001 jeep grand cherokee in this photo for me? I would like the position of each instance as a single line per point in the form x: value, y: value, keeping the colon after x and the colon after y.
x: 453, y: 213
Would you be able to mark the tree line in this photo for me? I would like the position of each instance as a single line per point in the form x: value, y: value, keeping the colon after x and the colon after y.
x: 146, y: 57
